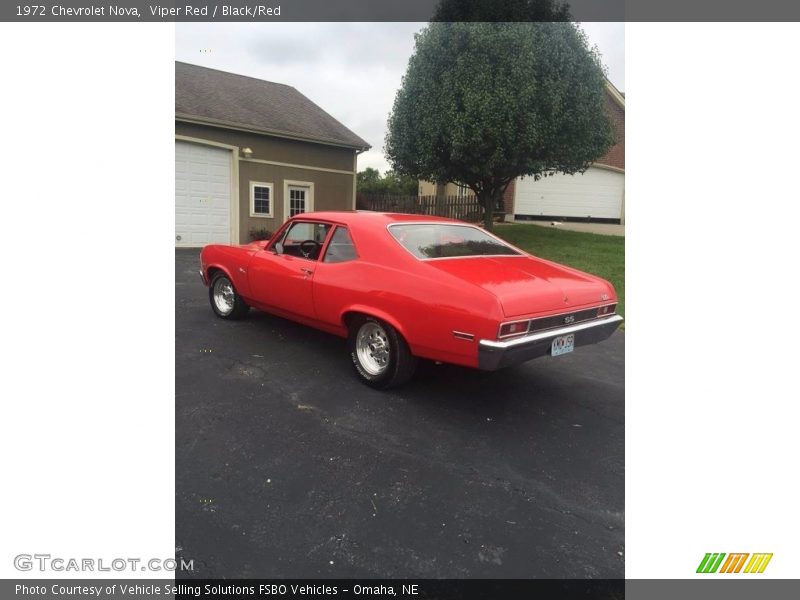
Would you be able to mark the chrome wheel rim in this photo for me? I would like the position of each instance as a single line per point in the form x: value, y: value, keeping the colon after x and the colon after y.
x: 224, y: 296
x: 372, y: 348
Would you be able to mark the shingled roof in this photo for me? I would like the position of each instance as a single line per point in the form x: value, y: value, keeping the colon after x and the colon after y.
x: 226, y: 99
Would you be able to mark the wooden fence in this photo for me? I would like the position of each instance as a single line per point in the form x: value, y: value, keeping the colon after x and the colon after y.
x: 464, y: 208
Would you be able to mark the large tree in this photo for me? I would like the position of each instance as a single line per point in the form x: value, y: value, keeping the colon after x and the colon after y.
x: 484, y: 103
x: 505, y: 10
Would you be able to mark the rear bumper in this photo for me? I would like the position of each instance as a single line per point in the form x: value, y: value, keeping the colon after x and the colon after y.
x: 494, y: 355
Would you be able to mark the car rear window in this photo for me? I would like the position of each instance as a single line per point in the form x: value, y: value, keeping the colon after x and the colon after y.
x: 436, y: 240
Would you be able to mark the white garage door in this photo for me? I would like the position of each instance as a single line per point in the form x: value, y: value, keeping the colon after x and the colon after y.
x: 202, y: 195
x: 597, y: 194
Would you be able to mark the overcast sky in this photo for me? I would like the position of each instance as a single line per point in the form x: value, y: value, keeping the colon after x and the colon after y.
x: 352, y: 70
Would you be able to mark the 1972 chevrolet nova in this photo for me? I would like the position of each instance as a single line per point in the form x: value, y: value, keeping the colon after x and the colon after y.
x: 401, y: 287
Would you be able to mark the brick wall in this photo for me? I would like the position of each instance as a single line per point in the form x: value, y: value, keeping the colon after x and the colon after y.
x: 508, y: 198
x: 615, y: 157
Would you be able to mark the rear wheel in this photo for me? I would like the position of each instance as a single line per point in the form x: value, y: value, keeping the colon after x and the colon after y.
x: 379, y: 353
x: 225, y: 302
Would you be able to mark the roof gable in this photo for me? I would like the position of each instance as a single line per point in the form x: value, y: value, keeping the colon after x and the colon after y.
x: 615, y: 94
x: 241, y: 102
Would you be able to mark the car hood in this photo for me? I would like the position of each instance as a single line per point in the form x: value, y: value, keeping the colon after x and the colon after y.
x: 526, y: 284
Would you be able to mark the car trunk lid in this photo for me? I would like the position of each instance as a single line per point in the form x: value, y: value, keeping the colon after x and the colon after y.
x: 526, y: 284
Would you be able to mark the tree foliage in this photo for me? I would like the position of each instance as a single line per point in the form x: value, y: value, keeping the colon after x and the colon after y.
x: 505, y: 10
x: 369, y: 181
x: 484, y: 103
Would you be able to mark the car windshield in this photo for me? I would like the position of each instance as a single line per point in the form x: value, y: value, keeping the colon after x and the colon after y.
x: 439, y: 240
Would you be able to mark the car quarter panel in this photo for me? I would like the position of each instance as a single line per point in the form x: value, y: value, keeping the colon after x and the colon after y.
x: 426, y: 312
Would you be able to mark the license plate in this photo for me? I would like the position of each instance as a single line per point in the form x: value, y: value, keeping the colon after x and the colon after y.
x: 563, y: 344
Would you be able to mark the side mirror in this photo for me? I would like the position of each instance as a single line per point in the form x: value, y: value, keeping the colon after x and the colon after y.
x: 278, y: 247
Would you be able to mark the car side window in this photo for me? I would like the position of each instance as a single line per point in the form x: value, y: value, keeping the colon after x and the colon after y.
x: 340, y: 248
x: 305, y: 240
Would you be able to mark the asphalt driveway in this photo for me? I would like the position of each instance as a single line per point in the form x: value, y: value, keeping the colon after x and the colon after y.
x: 287, y: 466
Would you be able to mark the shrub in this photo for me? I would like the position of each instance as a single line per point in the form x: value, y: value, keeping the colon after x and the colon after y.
x: 257, y: 235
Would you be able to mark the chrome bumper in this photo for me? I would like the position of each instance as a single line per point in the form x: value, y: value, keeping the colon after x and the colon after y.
x: 203, y: 277
x: 498, y: 354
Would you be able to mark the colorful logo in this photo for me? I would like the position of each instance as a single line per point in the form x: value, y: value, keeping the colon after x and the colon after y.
x: 734, y: 562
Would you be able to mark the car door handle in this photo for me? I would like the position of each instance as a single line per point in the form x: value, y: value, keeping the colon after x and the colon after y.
x: 307, y: 271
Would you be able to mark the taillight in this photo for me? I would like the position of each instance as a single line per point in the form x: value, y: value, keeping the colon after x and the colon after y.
x: 514, y: 328
x: 608, y: 309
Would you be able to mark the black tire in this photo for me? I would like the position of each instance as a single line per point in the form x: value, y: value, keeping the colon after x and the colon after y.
x: 229, y: 304
x: 384, y: 371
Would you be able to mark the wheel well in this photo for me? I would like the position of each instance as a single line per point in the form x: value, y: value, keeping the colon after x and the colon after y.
x: 213, y: 271
x: 350, y: 315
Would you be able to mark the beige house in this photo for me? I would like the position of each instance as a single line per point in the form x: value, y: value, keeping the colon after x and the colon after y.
x: 251, y: 153
x: 429, y: 188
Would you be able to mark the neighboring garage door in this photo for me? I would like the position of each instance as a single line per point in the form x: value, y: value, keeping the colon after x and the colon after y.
x: 202, y: 195
x: 596, y: 194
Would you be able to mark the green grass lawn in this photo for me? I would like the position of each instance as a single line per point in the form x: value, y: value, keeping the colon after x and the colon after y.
x: 602, y: 255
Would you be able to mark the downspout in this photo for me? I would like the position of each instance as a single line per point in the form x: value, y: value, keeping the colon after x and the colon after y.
x: 356, y: 152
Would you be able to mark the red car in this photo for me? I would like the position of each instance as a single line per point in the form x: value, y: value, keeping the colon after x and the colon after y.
x: 402, y: 287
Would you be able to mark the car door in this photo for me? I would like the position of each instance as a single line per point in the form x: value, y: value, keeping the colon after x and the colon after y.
x: 339, y: 279
x: 282, y: 275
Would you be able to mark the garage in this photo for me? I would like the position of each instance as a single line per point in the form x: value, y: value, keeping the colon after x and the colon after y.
x: 202, y: 195
x: 596, y: 194
x: 251, y: 153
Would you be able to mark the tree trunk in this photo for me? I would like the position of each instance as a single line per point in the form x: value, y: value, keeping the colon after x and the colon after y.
x: 487, y: 202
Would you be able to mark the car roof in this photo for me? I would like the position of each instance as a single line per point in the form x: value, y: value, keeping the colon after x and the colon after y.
x: 370, y: 234
x: 367, y: 218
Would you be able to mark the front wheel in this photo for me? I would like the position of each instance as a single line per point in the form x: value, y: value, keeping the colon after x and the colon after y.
x: 379, y: 353
x: 225, y: 302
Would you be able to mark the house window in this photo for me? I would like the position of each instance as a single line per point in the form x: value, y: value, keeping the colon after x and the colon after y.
x: 298, y: 198
x: 261, y: 196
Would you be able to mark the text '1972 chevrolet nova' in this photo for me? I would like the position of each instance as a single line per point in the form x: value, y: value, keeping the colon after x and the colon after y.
x: 402, y: 287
